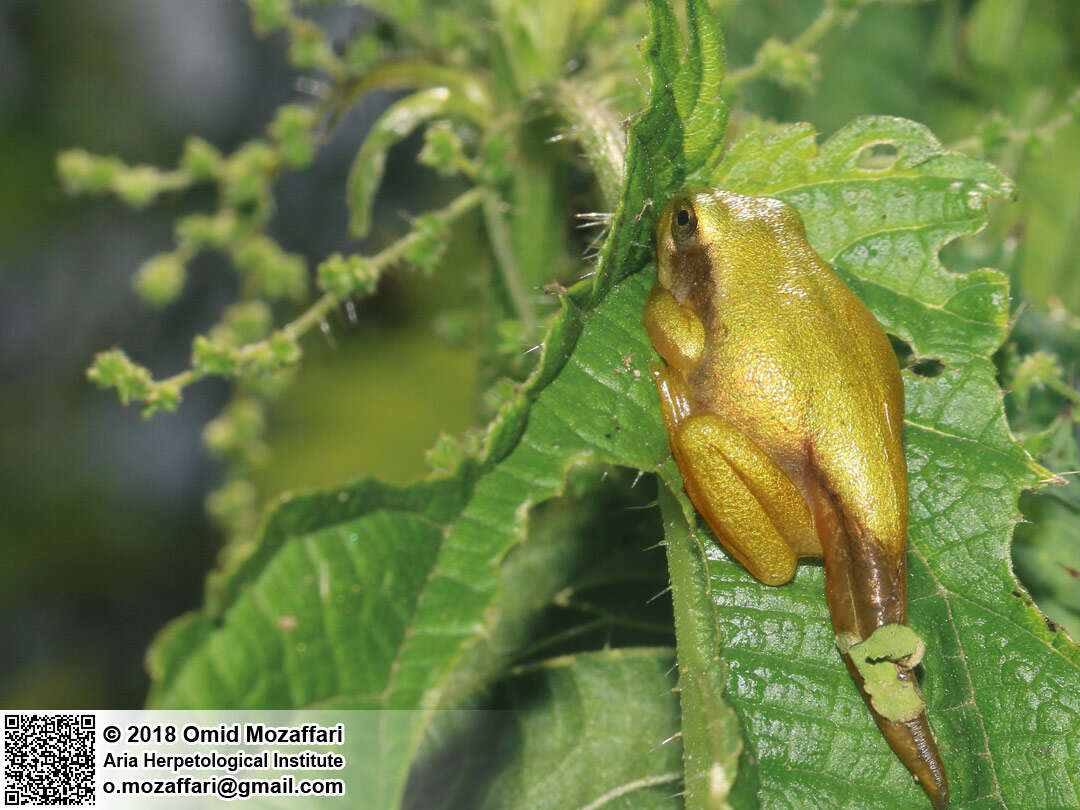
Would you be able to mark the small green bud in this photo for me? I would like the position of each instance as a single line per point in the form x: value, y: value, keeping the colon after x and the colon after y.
x: 200, y: 159
x: 273, y: 272
x: 426, y: 249
x: 114, y: 369
x: 247, y: 322
x: 200, y: 231
x: 79, y: 171
x: 247, y: 174
x: 160, y: 279
x: 291, y: 129
x: 365, y: 276
x: 443, y: 150
x: 218, y: 436
x: 230, y: 506
x: 162, y: 397
x: 343, y: 276
x: 789, y: 66
x: 138, y: 186
x: 238, y: 430
x: 285, y: 349
x: 213, y: 357
x: 248, y: 417
x: 267, y: 15
x: 279, y: 351
x: 334, y: 277
x: 309, y: 49
x: 258, y: 359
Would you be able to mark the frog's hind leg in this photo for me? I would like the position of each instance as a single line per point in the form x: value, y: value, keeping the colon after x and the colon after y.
x: 865, y: 587
x: 750, y: 504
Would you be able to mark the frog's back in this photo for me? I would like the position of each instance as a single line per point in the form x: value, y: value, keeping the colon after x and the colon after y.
x: 800, y: 357
x: 863, y: 464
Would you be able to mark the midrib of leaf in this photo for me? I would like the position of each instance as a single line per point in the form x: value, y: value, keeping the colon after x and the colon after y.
x: 630, y: 787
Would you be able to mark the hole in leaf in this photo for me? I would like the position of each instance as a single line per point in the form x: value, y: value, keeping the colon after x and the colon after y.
x: 928, y: 368
x: 878, y: 157
x: 903, y: 351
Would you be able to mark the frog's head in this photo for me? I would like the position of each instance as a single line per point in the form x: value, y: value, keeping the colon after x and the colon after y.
x: 702, y: 231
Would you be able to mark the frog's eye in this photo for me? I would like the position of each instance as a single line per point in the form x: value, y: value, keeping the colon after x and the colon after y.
x: 683, y: 222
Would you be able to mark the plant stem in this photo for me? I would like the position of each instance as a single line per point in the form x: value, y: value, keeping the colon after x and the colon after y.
x: 814, y: 33
x: 505, y: 260
x: 1045, y: 131
x: 817, y: 30
x: 416, y: 74
x: 710, y: 730
x: 319, y: 309
x: 600, y: 134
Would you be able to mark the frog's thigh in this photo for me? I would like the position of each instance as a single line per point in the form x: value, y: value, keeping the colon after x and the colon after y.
x: 750, y: 504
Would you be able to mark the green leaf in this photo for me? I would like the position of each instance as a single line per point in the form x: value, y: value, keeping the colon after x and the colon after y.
x: 591, y: 730
x: 875, y: 657
x: 983, y: 644
x: 678, y: 136
x: 1047, y: 547
x: 377, y: 596
x: 882, y: 228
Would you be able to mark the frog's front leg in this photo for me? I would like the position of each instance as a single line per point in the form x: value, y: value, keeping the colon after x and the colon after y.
x: 676, y: 332
x: 750, y: 504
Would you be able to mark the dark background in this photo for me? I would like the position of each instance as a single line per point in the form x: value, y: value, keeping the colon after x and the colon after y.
x: 102, y: 532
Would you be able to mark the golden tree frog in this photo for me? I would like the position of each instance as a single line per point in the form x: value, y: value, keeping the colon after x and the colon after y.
x: 784, y: 407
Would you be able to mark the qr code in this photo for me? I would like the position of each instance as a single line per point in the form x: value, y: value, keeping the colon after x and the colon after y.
x: 49, y: 759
